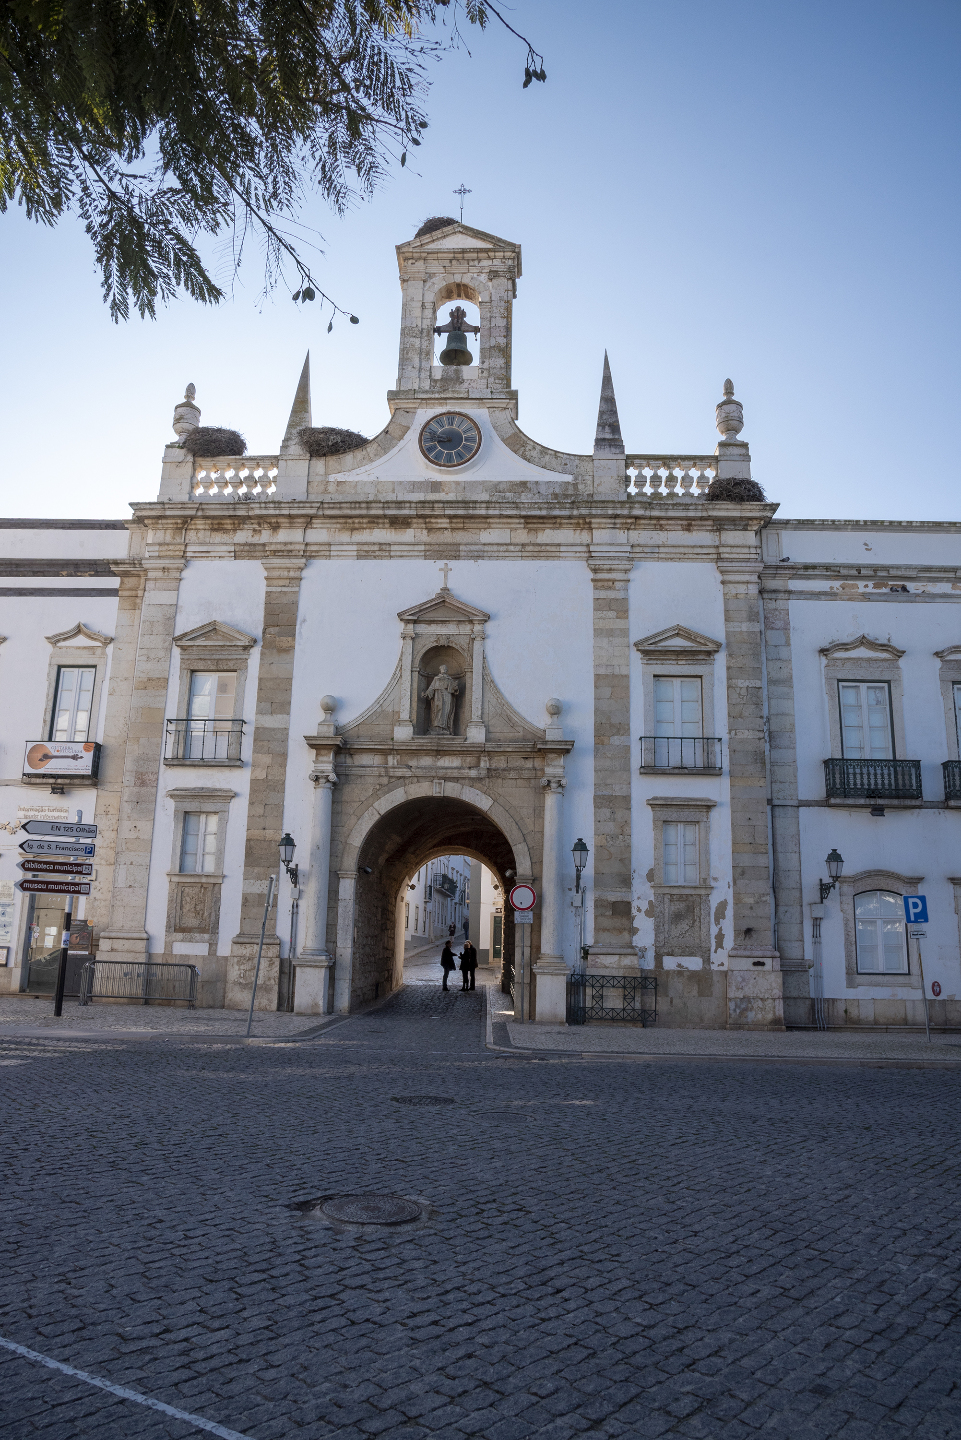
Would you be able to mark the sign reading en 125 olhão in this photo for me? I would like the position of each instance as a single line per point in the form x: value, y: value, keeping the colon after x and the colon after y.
x: 61, y: 760
x: 915, y: 909
x: 61, y: 829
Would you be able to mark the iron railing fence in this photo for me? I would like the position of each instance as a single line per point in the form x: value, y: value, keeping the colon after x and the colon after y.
x: 681, y: 752
x: 952, y: 779
x: 150, y: 982
x: 204, y: 740
x: 611, y: 997
x: 872, y: 779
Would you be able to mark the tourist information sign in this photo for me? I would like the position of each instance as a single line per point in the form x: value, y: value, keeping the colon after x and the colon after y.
x: 55, y: 867
x: 58, y: 847
x: 54, y: 887
x: 61, y: 828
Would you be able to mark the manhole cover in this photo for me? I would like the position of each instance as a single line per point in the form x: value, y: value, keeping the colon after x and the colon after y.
x: 424, y: 1099
x: 370, y: 1209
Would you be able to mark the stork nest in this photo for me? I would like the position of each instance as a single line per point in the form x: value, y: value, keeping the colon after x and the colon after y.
x: 321, y: 440
x: 435, y: 222
x: 207, y: 442
x: 737, y: 491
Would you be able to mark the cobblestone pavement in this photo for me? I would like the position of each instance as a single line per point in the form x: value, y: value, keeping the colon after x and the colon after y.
x: 20, y: 1012
x: 691, y: 1249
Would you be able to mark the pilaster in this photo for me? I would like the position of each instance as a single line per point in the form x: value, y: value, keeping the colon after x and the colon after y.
x: 754, y: 985
x: 125, y: 936
x: 268, y: 778
x: 613, y: 946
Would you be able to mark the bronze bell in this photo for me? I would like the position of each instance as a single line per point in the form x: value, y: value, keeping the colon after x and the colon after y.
x: 456, y: 352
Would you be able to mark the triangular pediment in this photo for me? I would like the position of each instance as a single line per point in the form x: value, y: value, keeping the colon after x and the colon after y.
x: 863, y: 647
x: 676, y: 642
x: 214, y: 635
x: 456, y: 237
x: 443, y: 608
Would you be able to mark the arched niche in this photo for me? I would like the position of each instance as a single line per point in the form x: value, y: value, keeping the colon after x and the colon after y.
x: 428, y: 668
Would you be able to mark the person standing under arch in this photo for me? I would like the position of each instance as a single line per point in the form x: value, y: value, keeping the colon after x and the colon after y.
x: 448, y: 963
x: 468, y: 965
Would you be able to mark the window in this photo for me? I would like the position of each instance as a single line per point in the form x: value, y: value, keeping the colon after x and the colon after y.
x: 198, y: 847
x: 680, y: 853
x: 417, y: 918
x: 879, y: 933
x: 406, y: 917
x: 210, y: 709
x: 677, y: 706
x: 71, y: 710
x: 866, y: 732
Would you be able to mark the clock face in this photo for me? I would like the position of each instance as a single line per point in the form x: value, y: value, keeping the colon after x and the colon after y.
x: 450, y: 439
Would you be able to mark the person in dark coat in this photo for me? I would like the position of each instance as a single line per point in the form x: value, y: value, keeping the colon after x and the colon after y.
x: 468, y: 964
x: 448, y: 962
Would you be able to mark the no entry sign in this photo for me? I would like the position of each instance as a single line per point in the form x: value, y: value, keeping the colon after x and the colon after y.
x: 523, y: 897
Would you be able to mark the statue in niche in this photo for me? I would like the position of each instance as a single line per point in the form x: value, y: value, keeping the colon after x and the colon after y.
x: 440, y: 695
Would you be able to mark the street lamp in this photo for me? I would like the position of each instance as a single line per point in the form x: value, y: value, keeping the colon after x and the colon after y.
x: 287, y: 847
x: 580, y: 853
x: 835, y: 865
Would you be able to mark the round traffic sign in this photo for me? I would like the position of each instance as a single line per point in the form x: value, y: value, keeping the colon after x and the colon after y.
x: 522, y: 897
x: 935, y: 987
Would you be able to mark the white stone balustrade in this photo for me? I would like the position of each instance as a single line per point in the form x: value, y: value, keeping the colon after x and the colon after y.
x: 251, y: 478
x: 670, y: 477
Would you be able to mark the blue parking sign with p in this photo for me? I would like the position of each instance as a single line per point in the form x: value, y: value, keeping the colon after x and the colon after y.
x: 915, y: 909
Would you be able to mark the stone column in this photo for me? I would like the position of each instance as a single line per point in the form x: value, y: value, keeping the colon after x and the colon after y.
x: 613, y: 948
x: 550, y: 1001
x: 754, y: 980
x: 343, y: 974
x: 268, y: 779
x: 125, y: 936
x: 407, y: 705
x: 313, y: 965
x: 785, y: 827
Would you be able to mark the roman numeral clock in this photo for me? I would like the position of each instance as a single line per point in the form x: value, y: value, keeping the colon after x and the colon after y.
x: 450, y: 439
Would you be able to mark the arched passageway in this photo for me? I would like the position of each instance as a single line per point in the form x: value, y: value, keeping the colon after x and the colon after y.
x: 396, y: 846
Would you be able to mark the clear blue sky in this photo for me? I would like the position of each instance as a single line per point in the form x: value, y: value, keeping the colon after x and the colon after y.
x: 765, y: 191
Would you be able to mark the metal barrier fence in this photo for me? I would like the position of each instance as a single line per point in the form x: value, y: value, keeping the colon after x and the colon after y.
x: 611, y: 997
x: 149, y: 982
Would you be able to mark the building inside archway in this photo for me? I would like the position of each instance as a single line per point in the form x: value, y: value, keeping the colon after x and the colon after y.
x: 453, y: 898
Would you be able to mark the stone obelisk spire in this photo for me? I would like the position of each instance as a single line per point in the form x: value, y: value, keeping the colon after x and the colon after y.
x: 608, y: 440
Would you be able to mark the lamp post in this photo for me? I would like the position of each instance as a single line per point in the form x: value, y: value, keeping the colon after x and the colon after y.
x: 580, y: 853
x: 835, y: 865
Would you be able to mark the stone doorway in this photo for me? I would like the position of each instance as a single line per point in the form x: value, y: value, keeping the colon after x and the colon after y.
x: 398, y: 844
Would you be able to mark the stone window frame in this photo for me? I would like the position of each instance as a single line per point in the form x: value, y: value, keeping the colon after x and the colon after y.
x: 216, y: 647
x: 188, y: 800
x: 848, y: 887
x: 63, y: 656
x: 949, y: 676
x: 678, y: 653
x: 881, y: 665
x: 696, y: 809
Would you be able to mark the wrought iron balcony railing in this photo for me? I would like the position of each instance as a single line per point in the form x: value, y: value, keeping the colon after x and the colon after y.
x: 680, y: 752
x: 204, y: 742
x: 952, y: 779
x: 877, y: 780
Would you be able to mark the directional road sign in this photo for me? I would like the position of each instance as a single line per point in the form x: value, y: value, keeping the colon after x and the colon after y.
x: 58, y: 847
x: 61, y: 828
x: 915, y: 909
x: 54, y: 887
x: 55, y: 867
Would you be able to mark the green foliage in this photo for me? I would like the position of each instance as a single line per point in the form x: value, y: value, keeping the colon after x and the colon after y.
x: 164, y: 122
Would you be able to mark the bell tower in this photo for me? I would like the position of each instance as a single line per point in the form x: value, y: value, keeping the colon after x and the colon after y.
x: 454, y: 263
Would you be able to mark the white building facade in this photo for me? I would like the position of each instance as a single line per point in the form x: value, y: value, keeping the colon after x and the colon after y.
x: 451, y: 640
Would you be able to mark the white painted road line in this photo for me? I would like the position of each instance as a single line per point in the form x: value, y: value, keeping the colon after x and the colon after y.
x: 123, y: 1393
